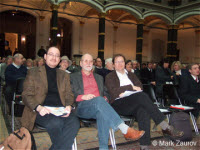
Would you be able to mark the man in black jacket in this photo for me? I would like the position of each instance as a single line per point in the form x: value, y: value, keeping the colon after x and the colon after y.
x: 190, y: 88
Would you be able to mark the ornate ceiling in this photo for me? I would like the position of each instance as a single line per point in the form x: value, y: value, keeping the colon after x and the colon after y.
x: 154, y: 14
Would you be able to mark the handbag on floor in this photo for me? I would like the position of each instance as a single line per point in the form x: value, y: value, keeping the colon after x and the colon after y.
x: 20, y: 139
x: 181, y: 121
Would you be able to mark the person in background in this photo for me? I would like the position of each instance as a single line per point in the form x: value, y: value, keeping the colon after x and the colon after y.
x: 12, y: 73
x: 108, y: 66
x: 65, y: 63
x: 73, y: 67
x: 136, y: 70
x: 29, y: 63
x: 3, y: 67
x: 40, y: 61
x: 148, y: 74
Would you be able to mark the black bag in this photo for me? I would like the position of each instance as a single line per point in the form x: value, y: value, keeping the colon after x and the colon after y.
x: 181, y: 121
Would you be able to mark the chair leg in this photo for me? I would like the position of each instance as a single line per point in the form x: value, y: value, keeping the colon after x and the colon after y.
x: 194, y: 123
x: 74, y: 146
x: 112, y: 139
x: 13, y: 116
x: 168, y: 116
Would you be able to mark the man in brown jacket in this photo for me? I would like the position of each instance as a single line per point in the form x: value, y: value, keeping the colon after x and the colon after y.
x: 50, y: 86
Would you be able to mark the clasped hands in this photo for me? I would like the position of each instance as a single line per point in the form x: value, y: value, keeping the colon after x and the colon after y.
x: 136, y: 88
x: 43, y: 110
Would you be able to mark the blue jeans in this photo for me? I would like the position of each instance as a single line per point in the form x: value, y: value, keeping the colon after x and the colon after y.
x: 106, y: 117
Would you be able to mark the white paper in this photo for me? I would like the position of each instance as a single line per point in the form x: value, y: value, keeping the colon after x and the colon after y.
x: 57, y: 111
x: 128, y: 93
x: 164, y: 110
x: 181, y: 106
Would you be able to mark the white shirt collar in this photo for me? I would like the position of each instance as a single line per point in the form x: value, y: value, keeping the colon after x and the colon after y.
x: 195, y: 78
x: 16, y: 65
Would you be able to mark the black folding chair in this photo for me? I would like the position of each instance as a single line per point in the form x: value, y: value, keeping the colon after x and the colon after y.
x: 148, y: 89
x: 170, y: 96
x: 17, y: 99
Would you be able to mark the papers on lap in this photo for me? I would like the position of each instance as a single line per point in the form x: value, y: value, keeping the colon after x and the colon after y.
x: 128, y: 93
x: 57, y: 111
x: 181, y: 107
x: 164, y: 110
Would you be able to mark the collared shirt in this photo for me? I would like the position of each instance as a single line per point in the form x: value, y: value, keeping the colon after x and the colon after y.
x: 149, y: 69
x: 195, y: 78
x: 89, y: 86
x: 16, y: 65
x: 123, y: 78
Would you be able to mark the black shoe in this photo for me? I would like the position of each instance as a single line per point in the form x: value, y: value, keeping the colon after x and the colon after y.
x: 172, y: 133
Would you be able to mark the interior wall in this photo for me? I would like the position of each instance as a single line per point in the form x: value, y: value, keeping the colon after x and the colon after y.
x: 12, y: 38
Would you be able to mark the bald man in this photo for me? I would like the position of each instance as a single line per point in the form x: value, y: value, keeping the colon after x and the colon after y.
x: 12, y: 73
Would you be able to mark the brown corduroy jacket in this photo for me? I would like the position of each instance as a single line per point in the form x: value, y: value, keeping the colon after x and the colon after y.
x: 35, y: 90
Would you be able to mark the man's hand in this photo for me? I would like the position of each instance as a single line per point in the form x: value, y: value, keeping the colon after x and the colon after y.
x: 136, y: 88
x: 198, y: 101
x: 68, y: 109
x: 153, y: 83
x: 120, y: 95
x: 42, y: 110
x: 177, y: 74
x: 88, y: 97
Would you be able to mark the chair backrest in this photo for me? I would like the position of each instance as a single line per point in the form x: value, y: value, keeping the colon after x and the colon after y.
x: 19, y: 86
x: 170, y: 94
x: 148, y: 89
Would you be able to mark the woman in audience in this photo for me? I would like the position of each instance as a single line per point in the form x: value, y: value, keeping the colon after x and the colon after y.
x: 129, y: 66
x: 40, y: 61
x: 65, y: 63
x: 177, y: 71
x: 137, y: 105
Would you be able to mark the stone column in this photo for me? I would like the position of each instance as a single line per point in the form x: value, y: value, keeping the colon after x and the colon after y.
x: 172, y: 54
x: 81, y: 36
x: 197, y: 42
x: 139, y: 41
x: 54, y: 24
x: 101, y: 38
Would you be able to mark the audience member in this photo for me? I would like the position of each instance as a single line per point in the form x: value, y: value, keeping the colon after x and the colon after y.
x: 40, y: 61
x: 144, y: 65
x: 50, y: 86
x: 108, y: 66
x: 136, y: 70
x: 41, y: 52
x: 8, y: 52
x: 148, y: 74
x: 29, y: 63
x: 129, y: 66
x: 189, y: 88
x: 65, y: 63
x: 16, y: 51
x: 138, y: 105
x: 89, y: 91
x: 163, y: 75
x: 8, y: 61
x: 99, y: 68
x: 73, y: 67
x: 12, y: 73
x: 177, y: 70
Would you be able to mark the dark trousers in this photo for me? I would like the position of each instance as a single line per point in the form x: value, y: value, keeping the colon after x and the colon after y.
x: 141, y: 107
x: 9, y: 92
x: 62, y: 130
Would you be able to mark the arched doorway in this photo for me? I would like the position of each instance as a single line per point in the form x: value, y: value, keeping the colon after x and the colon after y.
x: 18, y: 30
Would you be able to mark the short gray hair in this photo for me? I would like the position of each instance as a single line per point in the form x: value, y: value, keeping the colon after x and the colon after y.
x: 17, y: 55
x: 108, y: 60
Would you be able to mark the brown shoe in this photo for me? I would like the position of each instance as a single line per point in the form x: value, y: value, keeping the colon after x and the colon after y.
x: 134, y: 134
x: 172, y: 133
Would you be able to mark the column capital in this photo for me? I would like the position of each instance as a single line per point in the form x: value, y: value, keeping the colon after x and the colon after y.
x: 41, y: 18
x: 81, y: 23
x: 173, y: 26
x: 102, y: 15
x: 54, y: 7
x: 140, y: 21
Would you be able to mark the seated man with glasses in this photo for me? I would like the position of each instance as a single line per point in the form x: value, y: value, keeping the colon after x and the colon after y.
x: 50, y: 86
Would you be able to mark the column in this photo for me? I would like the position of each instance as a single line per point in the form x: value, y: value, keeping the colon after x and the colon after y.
x: 81, y: 36
x: 197, y: 43
x: 54, y: 24
x: 139, y: 40
x: 101, y: 39
x: 172, y: 53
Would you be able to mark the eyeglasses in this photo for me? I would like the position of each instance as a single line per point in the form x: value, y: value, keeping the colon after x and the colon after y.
x: 119, y: 62
x: 52, y: 55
